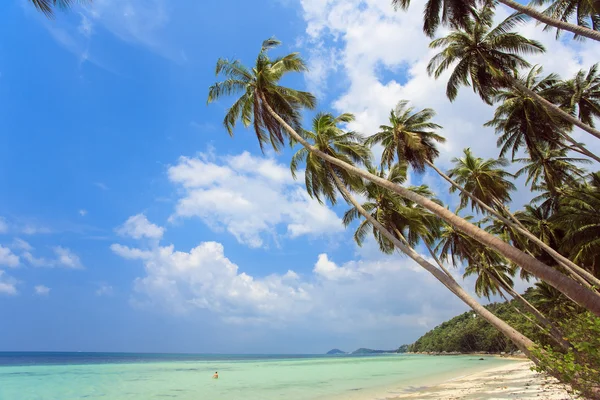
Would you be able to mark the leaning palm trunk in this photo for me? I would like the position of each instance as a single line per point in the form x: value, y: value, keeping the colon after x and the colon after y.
x: 553, y: 331
x: 558, y: 24
x: 521, y: 341
x: 554, y: 109
x: 583, y: 296
x: 581, y: 274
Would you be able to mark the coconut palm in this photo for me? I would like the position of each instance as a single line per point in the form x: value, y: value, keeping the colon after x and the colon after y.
x: 484, y: 179
x: 383, y: 214
x: 48, y: 7
x: 584, y: 94
x: 552, y: 302
x: 522, y: 121
x: 494, y: 274
x: 410, y: 137
x: 486, y: 58
x: 346, y: 146
x: 551, y: 167
x: 586, y: 12
x: 388, y: 208
x: 456, y: 13
x: 262, y: 101
x: 489, y: 274
x: 580, y: 219
x: 261, y: 94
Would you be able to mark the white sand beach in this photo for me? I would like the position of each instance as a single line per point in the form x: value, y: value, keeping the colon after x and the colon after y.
x: 514, y: 381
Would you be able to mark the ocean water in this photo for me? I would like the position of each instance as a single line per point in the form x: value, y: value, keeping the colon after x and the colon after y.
x: 70, y: 376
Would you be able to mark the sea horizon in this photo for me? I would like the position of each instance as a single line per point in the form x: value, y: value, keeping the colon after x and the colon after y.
x: 142, y: 376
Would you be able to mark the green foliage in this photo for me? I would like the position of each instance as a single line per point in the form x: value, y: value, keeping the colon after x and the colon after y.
x: 469, y: 333
x: 580, y: 366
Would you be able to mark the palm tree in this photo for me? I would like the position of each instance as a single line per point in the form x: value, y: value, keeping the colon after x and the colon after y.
x: 410, y: 137
x: 486, y: 59
x: 456, y: 13
x: 586, y: 12
x: 346, y: 146
x: 584, y: 94
x: 552, y: 302
x: 580, y: 219
x: 263, y: 100
x: 551, y: 167
x: 485, y: 184
x: 48, y: 7
x: 521, y: 120
x: 484, y: 179
x: 383, y: 214
x: 494, y: 275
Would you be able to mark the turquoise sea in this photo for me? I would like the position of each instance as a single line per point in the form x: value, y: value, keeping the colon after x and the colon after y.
x: 66, y: 376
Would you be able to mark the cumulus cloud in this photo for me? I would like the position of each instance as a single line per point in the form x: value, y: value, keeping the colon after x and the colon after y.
x: 329, y: 270
x: 7, y: 258
x: 139, y: 227
x: 250, y: 197
x: 42, y: 290
x: 382, y: 57
x: 7, y: 285
x: 66, y: 258
x: 361, y: 294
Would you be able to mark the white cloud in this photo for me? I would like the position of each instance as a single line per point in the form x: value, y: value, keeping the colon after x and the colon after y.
x: 383, y: 54
x: 130, y: 253
x: 66, y: 258
x: 3, y: 225
x: 138, y: 227
x: 387, y: 292
x: 7, y: 285
x: 329, y: 270
x: 250, y: 197
x: 63, y: 258
x: 104, y: 290
x: 83, y: 213
x: 7, y: 258
x: 21, y: 244
x: 37, y: 261
x: 42, y: 290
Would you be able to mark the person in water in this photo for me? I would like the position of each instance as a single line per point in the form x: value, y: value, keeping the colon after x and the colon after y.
x: 216, y: 375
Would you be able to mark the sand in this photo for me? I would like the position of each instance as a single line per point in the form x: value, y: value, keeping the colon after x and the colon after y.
x: 514, y: 381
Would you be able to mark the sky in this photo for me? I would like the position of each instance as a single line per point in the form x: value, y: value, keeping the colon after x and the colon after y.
x: 131, y: 221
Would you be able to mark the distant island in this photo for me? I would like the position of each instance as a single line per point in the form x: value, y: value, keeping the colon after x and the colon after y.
x: 402, y: 349
x: 362, y: 350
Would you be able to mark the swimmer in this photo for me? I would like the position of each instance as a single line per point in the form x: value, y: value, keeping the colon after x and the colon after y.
x: 216, y: 375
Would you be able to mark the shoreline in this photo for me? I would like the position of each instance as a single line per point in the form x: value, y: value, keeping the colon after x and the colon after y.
x: 513, y: 381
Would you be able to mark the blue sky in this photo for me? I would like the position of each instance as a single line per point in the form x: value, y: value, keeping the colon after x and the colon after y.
x: 130, y: 220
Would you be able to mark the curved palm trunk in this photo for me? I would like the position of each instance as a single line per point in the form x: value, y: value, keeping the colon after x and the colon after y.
x: 436, y: 258
x: 521, y: 341
x: 554, y: 332
x: 554, y: 109
x: 585, y: 277
x: 535, y: 14
x: 583, y: 296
